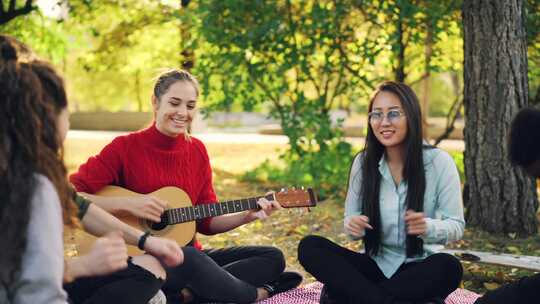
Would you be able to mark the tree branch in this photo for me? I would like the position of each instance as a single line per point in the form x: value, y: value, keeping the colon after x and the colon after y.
x: 13, y: 12
x: 420, y: 79
x: 299, y: 51
x: 451, y: 118
x: 353, y: 71
x: 369, y: 16
x: 266, y: 90
x: 337, y: 89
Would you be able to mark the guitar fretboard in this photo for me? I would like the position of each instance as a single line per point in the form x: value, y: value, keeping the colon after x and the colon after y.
x: 198, y: 212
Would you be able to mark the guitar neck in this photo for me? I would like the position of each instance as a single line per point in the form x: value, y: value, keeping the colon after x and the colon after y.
x: 198, y: 212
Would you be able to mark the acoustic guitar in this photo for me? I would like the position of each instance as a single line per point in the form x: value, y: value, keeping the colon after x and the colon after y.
x: 177, y: 221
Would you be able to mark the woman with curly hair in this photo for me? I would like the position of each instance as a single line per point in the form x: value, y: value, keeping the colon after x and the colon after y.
x: 34, y: 122
x: 36, y: 198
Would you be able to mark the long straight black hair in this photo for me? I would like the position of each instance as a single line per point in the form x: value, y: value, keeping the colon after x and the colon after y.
x: 413, y: 170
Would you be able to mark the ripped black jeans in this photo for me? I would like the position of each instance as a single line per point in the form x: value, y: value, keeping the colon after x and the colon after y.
x: 224, y: 275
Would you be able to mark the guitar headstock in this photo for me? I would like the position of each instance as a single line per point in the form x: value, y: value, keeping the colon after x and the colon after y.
x: 296, y: 198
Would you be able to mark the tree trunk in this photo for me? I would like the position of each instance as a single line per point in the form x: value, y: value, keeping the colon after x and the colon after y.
x: 138, y: 90
x: 186, y: 54
x: 426, y: 84
x: 499, y: 198
x: 399, y: 69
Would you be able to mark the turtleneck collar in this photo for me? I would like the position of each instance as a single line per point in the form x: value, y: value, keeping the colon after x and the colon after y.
x: 161, y: 141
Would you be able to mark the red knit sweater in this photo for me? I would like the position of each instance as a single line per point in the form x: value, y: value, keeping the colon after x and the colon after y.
x: 148, y: 160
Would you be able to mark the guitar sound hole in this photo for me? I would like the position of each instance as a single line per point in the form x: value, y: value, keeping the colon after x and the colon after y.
x: 158, y: 226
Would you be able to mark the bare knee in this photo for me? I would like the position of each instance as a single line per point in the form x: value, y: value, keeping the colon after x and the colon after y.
x: 151, y: 264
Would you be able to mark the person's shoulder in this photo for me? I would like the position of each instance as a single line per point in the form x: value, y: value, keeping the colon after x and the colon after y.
x: 198, y: 146
x: 195, y: 141
x: 129, y: 136
x: 359, y: 157
x: 43, y: 183
x: 123, y: 140
x: 437, y: 157
x: 357, y: 162
x: 44, y: 193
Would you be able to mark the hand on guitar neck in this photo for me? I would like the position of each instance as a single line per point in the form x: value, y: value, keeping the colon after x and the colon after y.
x: 267, y: 208
x: 228, y: 222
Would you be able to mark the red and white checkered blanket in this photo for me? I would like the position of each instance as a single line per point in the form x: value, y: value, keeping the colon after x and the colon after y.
x: 310, y: 293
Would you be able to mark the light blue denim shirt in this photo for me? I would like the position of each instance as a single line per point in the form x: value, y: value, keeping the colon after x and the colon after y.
x: 443, y: 208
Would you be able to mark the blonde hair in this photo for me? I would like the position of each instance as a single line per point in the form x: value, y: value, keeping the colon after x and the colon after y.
x: 169, y: 77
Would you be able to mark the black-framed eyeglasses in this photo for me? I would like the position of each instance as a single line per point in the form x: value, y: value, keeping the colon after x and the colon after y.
x: 392, y: 116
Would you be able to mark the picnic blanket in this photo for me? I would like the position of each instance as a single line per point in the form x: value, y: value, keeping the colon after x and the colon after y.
x: 310, y: 293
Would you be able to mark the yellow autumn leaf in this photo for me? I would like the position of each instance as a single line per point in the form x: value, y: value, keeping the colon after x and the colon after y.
x: 491, y: 286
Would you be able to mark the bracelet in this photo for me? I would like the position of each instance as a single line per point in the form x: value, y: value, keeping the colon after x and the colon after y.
x: 142, y: 240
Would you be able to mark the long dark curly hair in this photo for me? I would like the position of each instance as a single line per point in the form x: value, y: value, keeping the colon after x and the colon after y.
x: 29, y: 144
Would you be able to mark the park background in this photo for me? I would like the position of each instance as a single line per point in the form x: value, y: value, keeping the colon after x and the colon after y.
x: 284, y: 92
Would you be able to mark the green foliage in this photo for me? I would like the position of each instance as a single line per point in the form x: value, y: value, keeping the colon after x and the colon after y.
x: 442, y: 95
x: 123, y: 47
x: 327, y: 171
x: 109, y: 52
x: 403, y: 29
x: 298, y: 58
x: 301, y: 58
x: 45, y: 36
x: 532, y: 15
x: 458, y: 159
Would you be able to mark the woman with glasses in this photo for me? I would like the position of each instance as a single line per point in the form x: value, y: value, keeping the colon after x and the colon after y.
x: 404, y: 201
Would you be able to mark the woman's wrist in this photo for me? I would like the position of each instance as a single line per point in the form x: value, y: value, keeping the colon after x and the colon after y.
x: 110, y: 204
x: 119, y: 204
x: 249, y: 217
x: 75, y: 267
x: 142, y: 240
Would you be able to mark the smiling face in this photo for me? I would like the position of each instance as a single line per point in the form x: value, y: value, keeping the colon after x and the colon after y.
x: 175, y: 109
x: 389, y: 131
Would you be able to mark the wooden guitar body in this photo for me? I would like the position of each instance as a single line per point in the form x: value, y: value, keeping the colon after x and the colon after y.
x: 176, y: 198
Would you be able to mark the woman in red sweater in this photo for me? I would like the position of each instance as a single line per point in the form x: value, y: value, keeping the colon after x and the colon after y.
x: 166, y: 155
